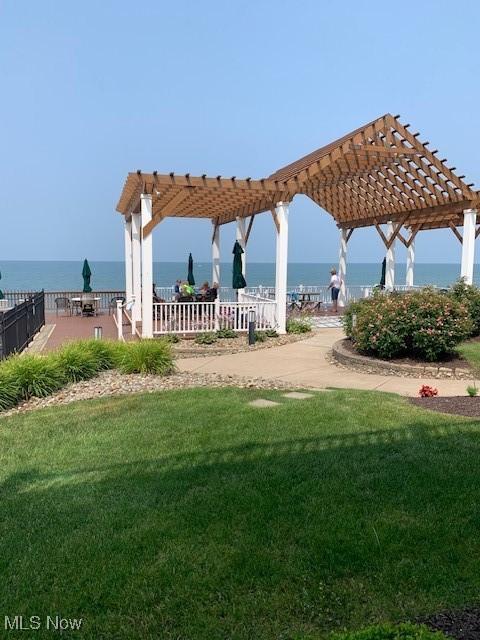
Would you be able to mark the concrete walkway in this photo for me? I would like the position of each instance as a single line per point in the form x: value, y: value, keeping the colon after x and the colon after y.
x: 303, y: 364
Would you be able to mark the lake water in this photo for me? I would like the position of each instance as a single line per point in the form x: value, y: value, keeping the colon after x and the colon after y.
x: 62, y: 275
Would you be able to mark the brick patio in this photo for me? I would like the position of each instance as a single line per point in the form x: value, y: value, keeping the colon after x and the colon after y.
x: 77, y: 327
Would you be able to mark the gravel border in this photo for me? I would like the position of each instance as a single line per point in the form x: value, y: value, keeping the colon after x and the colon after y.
x: 114, y: 383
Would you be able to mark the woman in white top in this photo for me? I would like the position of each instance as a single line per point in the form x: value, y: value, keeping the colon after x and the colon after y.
x: 335, y: 284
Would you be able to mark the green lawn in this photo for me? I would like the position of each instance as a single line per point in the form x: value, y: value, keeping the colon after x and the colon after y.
x: 471, y: 352
x: 190, y: 515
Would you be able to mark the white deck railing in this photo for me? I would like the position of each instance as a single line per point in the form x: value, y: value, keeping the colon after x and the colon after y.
x: 199, y: 317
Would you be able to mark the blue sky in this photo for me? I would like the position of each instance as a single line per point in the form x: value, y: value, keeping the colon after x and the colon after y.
x: 92, y: 90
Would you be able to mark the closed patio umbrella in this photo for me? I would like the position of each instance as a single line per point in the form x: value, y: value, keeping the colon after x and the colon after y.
x: 1, y: 292
x: 238, y: 281
x: 87, y: 274
x: 384, y: 270
x: 190, y: 278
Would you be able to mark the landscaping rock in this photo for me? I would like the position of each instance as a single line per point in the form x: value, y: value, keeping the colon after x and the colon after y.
x: 111, y: 383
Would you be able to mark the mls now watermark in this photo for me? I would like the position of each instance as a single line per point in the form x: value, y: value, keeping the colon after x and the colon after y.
x: 53, y: 623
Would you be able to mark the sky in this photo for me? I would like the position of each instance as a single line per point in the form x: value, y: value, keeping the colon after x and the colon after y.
x: 92, y: 90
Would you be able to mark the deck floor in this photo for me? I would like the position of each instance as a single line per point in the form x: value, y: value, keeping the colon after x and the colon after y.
x: 77, y: 327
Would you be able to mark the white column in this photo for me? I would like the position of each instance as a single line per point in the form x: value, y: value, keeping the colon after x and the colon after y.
x: 410, y: 264
x: 241, y: 236
x: 390, y: 271
x: 128, y: 260
x: 342, y: 267
x: 137, y: 266
x: 147, y: 268
x: 281, y: 211
x: 468, y: 244
x: 216, y: 255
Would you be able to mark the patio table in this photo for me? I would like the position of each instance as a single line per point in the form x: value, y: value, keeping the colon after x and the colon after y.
x: 79, y: 303
x: 309, y: 300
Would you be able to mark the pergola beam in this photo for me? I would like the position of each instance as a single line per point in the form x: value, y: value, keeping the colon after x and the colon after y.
x: 376, y: 174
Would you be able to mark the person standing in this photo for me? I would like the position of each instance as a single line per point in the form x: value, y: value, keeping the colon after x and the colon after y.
x: 335, y: 284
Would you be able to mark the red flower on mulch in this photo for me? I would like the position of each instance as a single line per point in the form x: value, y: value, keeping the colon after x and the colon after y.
x: 427, y: 392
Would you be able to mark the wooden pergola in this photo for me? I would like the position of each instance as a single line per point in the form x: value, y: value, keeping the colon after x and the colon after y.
x: 378, y: 174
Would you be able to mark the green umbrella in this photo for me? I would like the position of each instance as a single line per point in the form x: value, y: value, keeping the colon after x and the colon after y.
x: 238, y: 281
x: 87, y: 274
x: 1, y: 292
x: 384, y: 269
x: 190, y: 278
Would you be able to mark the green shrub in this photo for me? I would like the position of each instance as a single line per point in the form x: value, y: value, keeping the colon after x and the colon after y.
x: 77, y: 361
x: 298, y: 326
x: 390, y: 632
x: 172, y: 338
x: 104, y: 352
x: 469, y: 295
x: 260, y: 336
x: 35, y: 375
x: 472, y: 391
x: 226, y: 333
x: 206, y: 338
x: 425, y: 324
x: 10, y: 392
x: 271, y: 333
x: 145, y: 356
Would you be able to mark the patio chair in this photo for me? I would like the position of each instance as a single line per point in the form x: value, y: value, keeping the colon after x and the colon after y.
x: 88, y: 308
x: 113, y: 303
x: 63, y: 304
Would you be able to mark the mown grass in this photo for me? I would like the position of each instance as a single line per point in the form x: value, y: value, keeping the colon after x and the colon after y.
x: 190, y: 515
x: 471, y: 352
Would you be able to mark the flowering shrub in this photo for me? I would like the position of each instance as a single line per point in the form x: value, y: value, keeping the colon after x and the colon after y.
x: 424, y: 324
x: 469, y: 295
x: 426, y: 391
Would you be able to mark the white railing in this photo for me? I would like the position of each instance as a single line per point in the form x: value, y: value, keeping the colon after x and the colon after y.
x: 319, y: 293
x: 236, y: 315
x: 5, y: 305
x: 246, y: 296
x: 199, y: 317
x: 183, y: 317
x: 107, y: 298
x: 168, y: 294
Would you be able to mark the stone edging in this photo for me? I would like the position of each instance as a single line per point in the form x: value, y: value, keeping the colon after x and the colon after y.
x: 366, y: 364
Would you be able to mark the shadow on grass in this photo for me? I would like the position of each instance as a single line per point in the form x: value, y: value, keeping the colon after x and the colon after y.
x: 252, y: 541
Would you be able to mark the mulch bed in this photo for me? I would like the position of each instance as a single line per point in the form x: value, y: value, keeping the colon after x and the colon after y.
x: 188, y: 348
x: 456, y: 405
x: 461, y: 625
x: 454, y: 361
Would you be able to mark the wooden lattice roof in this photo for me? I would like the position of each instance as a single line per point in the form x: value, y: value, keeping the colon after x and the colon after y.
x: 377, y: 173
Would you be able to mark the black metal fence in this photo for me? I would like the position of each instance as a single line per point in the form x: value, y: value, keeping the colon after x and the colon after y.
x: 19, y: 324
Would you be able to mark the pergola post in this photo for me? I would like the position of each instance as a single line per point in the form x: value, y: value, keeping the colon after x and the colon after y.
x: 241, y: 236
x: 147, y: 268
x: 410, y: 263
x: 128, y: 260
x: 281, y: 213
x: 216, y: 254
x: 468, y: 244
x: 137, y: 266
x: 342, y: 266
x: 390, y: 267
